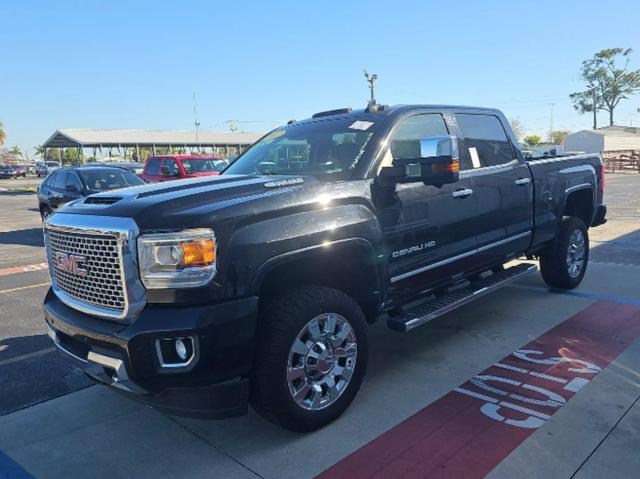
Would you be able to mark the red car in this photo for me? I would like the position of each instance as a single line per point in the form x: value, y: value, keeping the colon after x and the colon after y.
x: 175, y: 167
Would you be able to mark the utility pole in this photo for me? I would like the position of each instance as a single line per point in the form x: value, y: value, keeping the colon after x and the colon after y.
x: 551, y: 123
x: 371, y: 80
x: 196, y: 123
x: 595, y: 110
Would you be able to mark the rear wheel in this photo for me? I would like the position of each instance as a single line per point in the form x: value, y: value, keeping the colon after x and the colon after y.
x: 311, y: 358
x: 563, y: 262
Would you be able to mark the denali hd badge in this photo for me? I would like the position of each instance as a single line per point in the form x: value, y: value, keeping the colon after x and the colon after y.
x: 413, y: 249
x: 71, y: 263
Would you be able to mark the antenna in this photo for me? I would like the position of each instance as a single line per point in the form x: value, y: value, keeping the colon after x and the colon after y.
x: 196, y: 123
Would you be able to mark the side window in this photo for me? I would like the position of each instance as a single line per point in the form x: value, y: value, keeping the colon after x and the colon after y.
x: 405, y: 142
x: 153, y: 167
x: 75, y: 181
x: 485, y: 141
x: 172, y: 165
x: 61, y: 180
x: 50, y: 180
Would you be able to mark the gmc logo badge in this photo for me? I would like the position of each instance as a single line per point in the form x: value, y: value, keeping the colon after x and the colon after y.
x: 71, y: 263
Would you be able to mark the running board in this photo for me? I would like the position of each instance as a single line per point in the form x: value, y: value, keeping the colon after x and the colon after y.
x: 425, y: 312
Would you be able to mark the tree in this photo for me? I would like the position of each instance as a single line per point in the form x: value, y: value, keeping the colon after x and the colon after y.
x: 40, y: 150
x: 71, y: 157
x: 16, y: 151
x: 516, y: 126
x: 558, y: 136
x: 3, y: 135
x: 532, y: 140
x: 608, y: 80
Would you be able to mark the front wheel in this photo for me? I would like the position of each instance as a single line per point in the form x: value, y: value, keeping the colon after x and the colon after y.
x: 563, y: 262
x: 311, y: 358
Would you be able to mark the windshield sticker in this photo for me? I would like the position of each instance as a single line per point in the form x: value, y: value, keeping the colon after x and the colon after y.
x: 276, y: 134
x: 475, y: 159
x: 361, y: 125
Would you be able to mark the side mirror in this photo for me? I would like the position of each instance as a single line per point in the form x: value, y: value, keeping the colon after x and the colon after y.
x: 432, y: 161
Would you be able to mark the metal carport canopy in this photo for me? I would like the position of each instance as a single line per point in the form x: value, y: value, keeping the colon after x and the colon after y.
x: 83, y: 138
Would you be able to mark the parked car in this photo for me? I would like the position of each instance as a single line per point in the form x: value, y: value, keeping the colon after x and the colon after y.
x: 257, y: 286
x: 174, y: 167
x: 68, y: 184
x: 133, y: 166
x: 8, y: 171
x: 41, y: 169
x: 21, y: 171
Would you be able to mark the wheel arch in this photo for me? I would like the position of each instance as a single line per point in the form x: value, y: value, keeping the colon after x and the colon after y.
x: 579, y: 202
x: 349, y: 265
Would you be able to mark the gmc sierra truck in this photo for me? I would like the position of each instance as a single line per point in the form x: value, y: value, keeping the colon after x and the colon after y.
x: 202, y: 296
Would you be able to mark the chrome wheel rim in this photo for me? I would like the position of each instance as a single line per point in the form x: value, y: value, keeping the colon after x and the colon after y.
x: 321, y: 361
x: 576, y: 253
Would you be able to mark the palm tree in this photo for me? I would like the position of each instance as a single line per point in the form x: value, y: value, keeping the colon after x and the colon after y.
x: 16, y: 151
x: 40, y: 150
x: 3, y: 135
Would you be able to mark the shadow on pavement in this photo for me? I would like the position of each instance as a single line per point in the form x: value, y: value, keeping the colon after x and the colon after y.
x: 28, y: 237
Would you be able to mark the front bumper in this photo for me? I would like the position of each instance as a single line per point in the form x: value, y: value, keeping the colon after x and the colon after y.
x: 600, y: 217
x: 125, y: 356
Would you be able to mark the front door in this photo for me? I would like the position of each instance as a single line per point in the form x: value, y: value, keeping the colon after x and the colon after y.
x: 502, y: 185
x: 428, y: 230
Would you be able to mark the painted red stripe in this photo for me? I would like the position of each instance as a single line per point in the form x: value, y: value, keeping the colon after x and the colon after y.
x: 23, y: 269
x: 470, y: 430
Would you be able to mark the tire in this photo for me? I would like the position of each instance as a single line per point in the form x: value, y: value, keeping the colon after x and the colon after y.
x: 287, y: 348
x: 558, y: 258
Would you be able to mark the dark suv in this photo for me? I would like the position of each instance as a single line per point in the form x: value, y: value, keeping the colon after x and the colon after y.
x: 68, y: 184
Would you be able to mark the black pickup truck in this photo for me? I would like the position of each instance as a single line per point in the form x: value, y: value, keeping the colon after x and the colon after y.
x: 201, y: 296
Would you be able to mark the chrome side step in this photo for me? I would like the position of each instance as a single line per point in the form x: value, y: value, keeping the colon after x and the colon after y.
x: 425, y: 312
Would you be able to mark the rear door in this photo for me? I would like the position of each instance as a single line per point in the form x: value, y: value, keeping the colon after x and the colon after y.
x: 59, y: 189
x: 428, y: 231
x: 502, y: 185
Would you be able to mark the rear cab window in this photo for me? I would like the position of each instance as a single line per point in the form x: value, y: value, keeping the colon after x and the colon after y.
x: 485, y: 142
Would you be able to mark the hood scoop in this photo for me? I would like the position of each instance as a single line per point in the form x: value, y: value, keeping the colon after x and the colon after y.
x: 102, y: 200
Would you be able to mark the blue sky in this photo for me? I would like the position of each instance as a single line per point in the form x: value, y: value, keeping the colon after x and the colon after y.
x: 135, y: 64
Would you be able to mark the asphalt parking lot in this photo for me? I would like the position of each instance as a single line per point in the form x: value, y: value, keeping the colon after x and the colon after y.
x: 425, y: 409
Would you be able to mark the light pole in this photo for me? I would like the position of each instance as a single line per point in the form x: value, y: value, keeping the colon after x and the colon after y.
x: 371, y: 79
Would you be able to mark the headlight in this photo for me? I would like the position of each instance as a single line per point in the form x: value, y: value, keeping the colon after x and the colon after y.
x: 177, y: 260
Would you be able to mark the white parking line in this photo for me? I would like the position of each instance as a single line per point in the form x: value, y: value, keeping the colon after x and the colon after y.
x: 22, y: 357
x: 21, y: 288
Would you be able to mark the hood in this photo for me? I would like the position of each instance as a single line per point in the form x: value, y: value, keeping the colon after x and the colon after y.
x: 175, y: 203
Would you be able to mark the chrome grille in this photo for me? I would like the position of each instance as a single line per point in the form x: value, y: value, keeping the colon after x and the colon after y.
x: 102, y: 284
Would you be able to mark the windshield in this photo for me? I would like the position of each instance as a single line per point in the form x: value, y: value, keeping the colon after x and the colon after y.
x: 328, y: 150
x: 199, y: 165
x: 109, y: 179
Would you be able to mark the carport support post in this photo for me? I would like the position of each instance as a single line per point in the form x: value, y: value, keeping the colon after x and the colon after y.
x: 137, y: 152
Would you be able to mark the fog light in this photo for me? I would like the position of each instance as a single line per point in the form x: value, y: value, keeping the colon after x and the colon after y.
x: 181, y: 349
x: 177, y: 352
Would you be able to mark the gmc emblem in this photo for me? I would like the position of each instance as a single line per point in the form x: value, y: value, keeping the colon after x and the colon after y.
x: 71, y: 263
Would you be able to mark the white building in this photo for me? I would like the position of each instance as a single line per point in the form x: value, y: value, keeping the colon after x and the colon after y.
x: 602, y: 140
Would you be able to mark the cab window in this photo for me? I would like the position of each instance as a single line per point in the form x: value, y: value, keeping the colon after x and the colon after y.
x: 153, y: 167
x: 405, y: 141
x: 172, y: 165
x: 75, y: 181
x: 485, y: 140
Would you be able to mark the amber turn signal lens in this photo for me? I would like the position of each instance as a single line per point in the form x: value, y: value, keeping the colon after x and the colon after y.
x: 198, y: 252
x: 451, y: 167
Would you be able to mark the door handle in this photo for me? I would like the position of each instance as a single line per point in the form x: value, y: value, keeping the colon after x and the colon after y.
x: 522, y: 181
x: 462, y: 193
